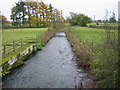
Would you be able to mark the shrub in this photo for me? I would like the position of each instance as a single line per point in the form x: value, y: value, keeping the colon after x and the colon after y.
x: 79, y: 19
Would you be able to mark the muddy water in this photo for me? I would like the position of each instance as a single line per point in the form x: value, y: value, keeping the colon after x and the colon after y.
x: 52, y: 67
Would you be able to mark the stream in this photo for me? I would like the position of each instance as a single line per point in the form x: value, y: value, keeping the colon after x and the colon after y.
x: 52, y: 67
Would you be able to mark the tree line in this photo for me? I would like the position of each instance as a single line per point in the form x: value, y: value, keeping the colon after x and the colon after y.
x: 82, y: 19
x: 78, y: 19
x: 34, y: 14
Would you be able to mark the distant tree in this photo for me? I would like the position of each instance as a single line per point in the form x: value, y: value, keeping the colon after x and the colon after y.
x: 79, y: 19
x: 18, y: 14
x: 99, y: 21
x: 5, y: 22
x: 23, y: 11
x: 33, y: 13
x: 112, y: 18
x: 73, y: 19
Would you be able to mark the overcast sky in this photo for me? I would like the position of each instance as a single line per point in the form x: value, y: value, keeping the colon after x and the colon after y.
x: 88, y: 7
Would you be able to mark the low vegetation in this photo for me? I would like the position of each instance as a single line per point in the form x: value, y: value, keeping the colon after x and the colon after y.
x: 39, y: 43
x: 20, y: 34
x: 94, y: 44
x: 29, y: 20
x: 96, y: 51
x: 14, y: 40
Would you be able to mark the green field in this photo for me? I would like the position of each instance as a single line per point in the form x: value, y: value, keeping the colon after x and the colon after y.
x: 103, y: 24
x: 89, y: 34
x: 9, y: 35
x: 102, y: 55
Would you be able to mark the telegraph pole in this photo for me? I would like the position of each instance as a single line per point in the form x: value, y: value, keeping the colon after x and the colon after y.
x: 94, y: 18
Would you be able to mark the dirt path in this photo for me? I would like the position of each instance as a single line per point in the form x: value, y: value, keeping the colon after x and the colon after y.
x: 52, y: 67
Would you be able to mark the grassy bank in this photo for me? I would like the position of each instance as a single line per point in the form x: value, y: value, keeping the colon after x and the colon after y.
x: 9, y: 35
x: 96, y: 51
x: 45, y: 36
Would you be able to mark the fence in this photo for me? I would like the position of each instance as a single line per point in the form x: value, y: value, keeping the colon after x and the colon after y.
x: 16, y: 45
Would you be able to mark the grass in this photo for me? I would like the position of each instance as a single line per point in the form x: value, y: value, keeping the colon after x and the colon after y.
x: 100, y: 59
x: 8, y: 57
x: 9, y: 35
x: 44, y: 37
x: 103, y: 24
x: 89, y: 34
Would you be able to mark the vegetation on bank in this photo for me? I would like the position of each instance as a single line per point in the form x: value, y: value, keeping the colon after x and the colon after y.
x: 16, y: 36
x: 39, y: 44
x: 96, y: 51
x: 27, y: 35
x: 15, y: 40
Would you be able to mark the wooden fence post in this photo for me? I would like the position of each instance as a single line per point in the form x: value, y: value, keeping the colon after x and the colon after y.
x: 13, y: 46
x: 26, y: 40
x: 4, y: 51
x: 21, y: 43
x: 36, y: 41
